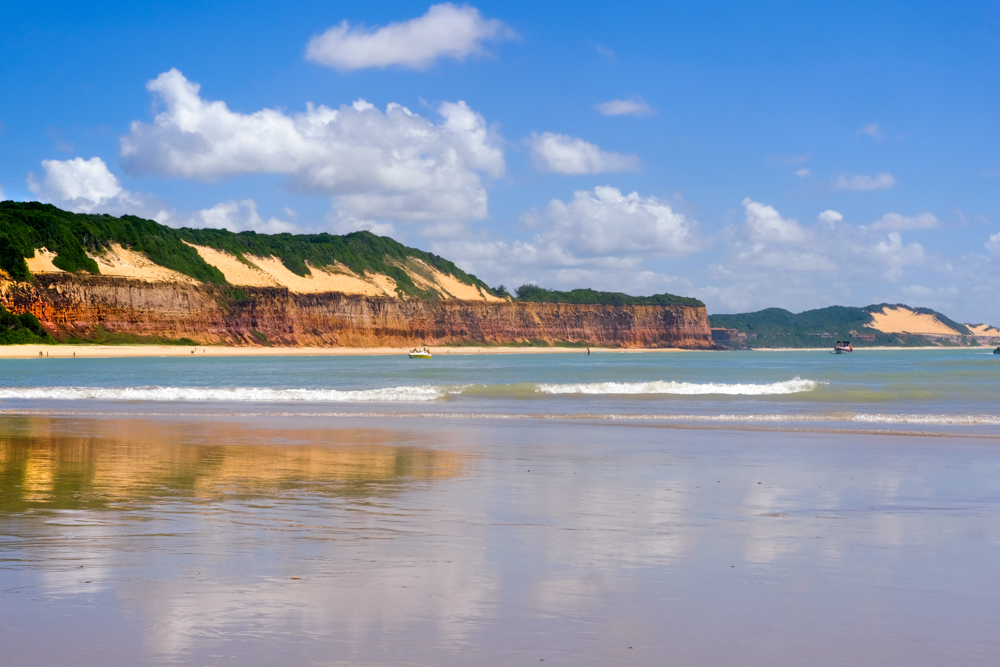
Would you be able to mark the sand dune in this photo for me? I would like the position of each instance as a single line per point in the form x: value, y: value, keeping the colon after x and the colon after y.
x: 119, y: 261
x: 41, y: 262
x: 983, y: 330
x: 904, y: 320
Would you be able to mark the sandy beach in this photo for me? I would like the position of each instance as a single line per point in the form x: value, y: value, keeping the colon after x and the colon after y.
x: 114, y: 351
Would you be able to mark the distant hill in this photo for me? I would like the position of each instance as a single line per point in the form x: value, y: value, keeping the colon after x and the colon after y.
x: 883, y: 324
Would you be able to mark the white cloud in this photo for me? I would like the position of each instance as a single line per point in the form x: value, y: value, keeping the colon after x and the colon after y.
x: 872, y: 130
x: 634, y: 106
x: 894, y: 255
x: 863, y: 182
x: 88, y: 186
x: 569, y: 155
x: 802, y: 173
x: 993, y: 245
x: 81, y: 184
x: 236, y: 216
x: 895, y: 221
x: 445, y: 31
x: 598, y: 238
x: 394, y: 165
x: 764, y: 223
x: 830, y: 217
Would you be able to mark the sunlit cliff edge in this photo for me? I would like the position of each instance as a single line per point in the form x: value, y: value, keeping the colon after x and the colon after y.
x: 100, y: 278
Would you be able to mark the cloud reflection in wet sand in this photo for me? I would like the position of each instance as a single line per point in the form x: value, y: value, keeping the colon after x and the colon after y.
x: 355, y: 541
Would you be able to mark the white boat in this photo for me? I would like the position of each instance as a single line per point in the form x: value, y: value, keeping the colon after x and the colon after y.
x: 420, y: 354
x: 843, y: 346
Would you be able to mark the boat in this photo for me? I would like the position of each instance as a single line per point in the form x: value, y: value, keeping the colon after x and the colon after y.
x: 996, y: 351
x: 843, y: 346
x: 417, y: 353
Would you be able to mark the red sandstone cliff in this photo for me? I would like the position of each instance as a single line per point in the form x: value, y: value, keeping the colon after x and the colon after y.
x: 75, y: 305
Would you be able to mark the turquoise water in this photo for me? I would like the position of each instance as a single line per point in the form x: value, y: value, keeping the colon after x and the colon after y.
x: 930, y: 388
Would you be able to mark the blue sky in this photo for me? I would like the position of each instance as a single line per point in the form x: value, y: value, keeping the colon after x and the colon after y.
x: 787, y: 155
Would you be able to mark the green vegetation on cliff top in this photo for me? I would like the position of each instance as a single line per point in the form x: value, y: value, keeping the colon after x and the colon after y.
x: 777, y: 327
x: 537, y: 294
x: 25, y: 226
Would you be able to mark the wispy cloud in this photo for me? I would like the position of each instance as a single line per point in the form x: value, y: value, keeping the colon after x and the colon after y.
x: 606, y: 52
x: 872, y: 130
x: 569, y: 155
x: 865, y: 183
x: 897, y: 222
x: 802, y: 173
x: 633, y: 106
x: 445, y: 31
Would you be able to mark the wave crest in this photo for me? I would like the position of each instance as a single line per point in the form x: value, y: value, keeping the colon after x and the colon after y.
x: 793, y: 386
x: 231, y: 394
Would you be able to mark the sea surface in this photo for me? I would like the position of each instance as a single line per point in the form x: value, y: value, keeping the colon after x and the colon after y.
x: 920, y: 390
x: 704, y: 508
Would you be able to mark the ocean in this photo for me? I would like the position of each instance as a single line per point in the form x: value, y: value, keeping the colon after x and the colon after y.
x: 697, y: 508
x: 919, y: 390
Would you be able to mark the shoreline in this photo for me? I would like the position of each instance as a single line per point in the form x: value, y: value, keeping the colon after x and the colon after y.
x: 119, y: 351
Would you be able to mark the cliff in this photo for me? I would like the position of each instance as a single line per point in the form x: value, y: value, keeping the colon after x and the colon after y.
x: 78, y: 305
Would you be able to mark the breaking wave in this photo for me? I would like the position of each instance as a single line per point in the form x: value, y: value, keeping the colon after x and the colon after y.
x: 231, y: 394
x: 397, y: 394
x: 793, y: 386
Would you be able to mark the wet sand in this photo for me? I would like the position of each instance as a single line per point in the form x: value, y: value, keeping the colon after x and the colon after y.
x: 268, y: 540
x: 113, y: 351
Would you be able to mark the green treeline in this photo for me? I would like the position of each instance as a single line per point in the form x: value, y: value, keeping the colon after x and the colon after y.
x: 588, y: 296
x: 777, y: 327
x: 25, y: 226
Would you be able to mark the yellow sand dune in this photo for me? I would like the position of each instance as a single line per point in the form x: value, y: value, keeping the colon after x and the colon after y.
x: 119, y: 261
x: 270, y: 272
x: 41, y: 262
x: 904, y: 320
x: 983, y: 330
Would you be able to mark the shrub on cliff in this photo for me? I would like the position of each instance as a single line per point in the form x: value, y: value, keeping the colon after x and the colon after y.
x: 21, y: 329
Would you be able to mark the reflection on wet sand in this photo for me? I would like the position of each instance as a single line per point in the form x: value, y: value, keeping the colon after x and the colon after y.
x: 291, y: 541
x: 43, y: 464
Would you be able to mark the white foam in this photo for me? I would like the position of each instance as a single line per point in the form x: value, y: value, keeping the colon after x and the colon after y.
x: 229, y: 394
x: 793, y: 386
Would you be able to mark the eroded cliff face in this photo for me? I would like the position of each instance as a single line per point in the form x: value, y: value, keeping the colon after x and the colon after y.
x: 76, y: 305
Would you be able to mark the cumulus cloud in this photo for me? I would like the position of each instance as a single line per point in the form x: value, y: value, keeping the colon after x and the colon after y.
x: 895, y: 255
x: 85, y: 186
x: 393, y: 164
x: 88, y: 186
x: 445, y: 31
x: 599, y: 238
x: 830, y: 217
x: 897, y: 222
x: 633, y: 106
x: 863, y: 182
x: 236, y: 216
x: 764, y: 223
x: 872, y: 130
x: 569, y: 155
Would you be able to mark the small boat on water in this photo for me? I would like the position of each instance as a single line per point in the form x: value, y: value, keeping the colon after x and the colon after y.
x: 417, y: 353
x: 843, y: 346
x: 996, y: 351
